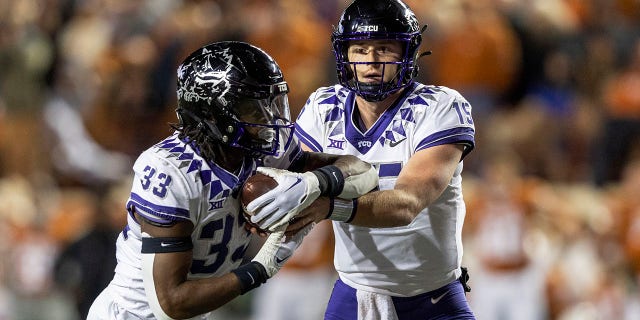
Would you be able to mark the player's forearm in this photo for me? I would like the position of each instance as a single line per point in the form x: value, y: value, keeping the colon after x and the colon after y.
x: 388, y: 208
x: 172, y: 296
x: 379, y: 209
x: 418, y: 186
x: 195, y: 297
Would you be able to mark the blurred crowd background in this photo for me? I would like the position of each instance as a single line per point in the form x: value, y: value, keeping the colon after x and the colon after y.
x: 553, y: 187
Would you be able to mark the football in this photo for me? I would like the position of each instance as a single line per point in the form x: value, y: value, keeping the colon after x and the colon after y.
x: 255, y: 186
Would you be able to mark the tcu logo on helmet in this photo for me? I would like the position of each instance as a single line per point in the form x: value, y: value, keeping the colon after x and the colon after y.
x: 367, y: 29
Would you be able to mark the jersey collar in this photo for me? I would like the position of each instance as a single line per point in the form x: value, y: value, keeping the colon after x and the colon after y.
x: 363, y: 142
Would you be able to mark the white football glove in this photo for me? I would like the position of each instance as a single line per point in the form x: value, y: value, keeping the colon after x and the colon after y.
x: 277, y: 250
x: 295, y: 192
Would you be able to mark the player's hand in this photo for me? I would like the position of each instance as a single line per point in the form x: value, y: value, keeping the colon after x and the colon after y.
x: 295, y: 191
x: 310, y: 215
x: 255, y: 230
x: 278, y: 249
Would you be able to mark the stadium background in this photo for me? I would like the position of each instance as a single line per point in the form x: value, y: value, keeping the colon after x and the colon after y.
x: 553, y: 187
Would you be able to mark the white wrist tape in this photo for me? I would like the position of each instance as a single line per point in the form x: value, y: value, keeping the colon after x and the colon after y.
x: 342, y: 210
x: 359, y: 184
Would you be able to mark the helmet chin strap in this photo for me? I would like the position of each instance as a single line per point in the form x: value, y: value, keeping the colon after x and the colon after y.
x: 377, y: 91
x: 365, y: 90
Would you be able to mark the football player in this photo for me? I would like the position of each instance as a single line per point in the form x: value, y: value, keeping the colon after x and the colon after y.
x: 398, y: 250
x: 180, y: 254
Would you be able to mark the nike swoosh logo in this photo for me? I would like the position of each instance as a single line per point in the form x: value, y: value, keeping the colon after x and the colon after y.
x: 335, y: 176
x: 293, y: 185
x: 395, y: 143
x: 437, y: 299
x: 280, y: 261
x: 252, y: 279
x: 164, y: 244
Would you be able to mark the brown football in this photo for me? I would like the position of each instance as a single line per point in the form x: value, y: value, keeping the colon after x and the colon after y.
x: 255, y: 186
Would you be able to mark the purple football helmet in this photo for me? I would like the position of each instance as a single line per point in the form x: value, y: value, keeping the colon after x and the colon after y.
x: 377, y: 20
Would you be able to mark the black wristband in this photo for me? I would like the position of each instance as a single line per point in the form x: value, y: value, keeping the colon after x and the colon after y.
x: 251, y: 276
x: 331, y: 180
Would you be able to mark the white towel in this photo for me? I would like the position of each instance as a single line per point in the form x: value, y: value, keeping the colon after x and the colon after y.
x: 375, y: 306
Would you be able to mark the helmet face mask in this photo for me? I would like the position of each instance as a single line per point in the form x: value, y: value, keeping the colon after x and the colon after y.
x: 235, y: 94
x: 263, y: 111
x: 262, y: 125
x: 366, y: 20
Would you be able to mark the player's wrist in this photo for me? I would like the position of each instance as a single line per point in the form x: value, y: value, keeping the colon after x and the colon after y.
x: 342, y: 210
x: 251, y: 275
x: 330, y: 180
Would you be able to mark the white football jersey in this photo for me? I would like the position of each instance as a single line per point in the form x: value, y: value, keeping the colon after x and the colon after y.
x: 426, y: 254
x: 174, y: 183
